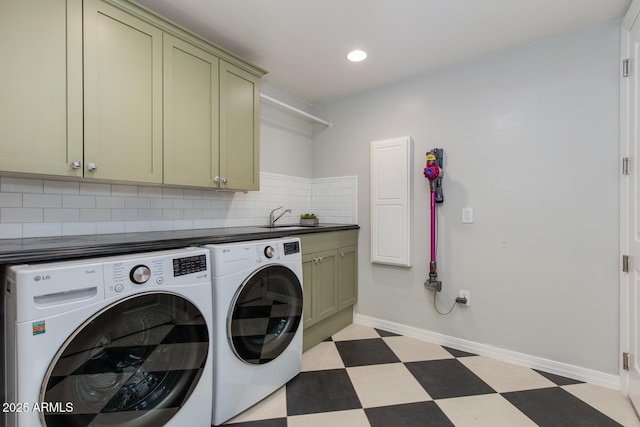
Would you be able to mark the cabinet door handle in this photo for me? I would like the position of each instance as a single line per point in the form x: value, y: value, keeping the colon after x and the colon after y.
x: 320, y: 259
x: 92, y: 166
x: 341, y: 254
x: 216, y: 179
x: 76, y: 164
x: 225, y: 180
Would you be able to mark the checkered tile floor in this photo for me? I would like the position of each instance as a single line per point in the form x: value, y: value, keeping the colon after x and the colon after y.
x: 369, y: 377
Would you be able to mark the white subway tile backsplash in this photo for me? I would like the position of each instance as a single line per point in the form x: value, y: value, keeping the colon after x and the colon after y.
x: 10, y: 200
x: 21, y: 185
x: 172, y: 193
x: 86, y: 202
x: 41, y: 200
x: 150, y: 214
x: 150, y: 192
x: 76, y: 228
x: 124, y: 190
x: 21, y: 215
x: 38, y: 208
x: 137, y: 203
x: 95, y: 215
x: 95, y: 189
x: 42, y: 229
x: 110, y: 227
x: 61, y: 187
x: 114, y: 202
x: 61, y: 215
x: 11, y: 231
x: 124, y: 214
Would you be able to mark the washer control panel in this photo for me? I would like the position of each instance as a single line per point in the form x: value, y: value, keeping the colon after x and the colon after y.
x: 184, y: 267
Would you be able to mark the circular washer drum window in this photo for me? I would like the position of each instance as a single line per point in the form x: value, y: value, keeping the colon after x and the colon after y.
x: 265, y: 314
x: 135, y: 363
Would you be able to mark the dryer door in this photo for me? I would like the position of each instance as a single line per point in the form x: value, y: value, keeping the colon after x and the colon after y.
x: 265, y: 314
x: 135, y: 363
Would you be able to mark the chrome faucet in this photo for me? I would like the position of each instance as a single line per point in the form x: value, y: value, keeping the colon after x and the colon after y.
x: 272, y: 220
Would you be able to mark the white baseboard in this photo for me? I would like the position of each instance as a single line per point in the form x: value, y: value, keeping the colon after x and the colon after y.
x: 564, y: 369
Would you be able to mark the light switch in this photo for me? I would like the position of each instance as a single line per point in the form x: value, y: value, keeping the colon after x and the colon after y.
x: 467, y: 215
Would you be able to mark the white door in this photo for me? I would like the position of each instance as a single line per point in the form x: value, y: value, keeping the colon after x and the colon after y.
x: 630, y: 209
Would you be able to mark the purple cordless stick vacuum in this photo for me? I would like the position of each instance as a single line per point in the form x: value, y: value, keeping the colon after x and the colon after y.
x: 433, y: 172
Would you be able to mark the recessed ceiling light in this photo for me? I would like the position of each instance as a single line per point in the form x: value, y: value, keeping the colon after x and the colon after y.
x: 357, y: 55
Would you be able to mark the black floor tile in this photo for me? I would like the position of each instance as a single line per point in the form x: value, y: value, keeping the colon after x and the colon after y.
x: 447, y: 378
x: 321, y: 391
x: 555, y: 407
x: 365, y: 352
x: 273, y: 422
x: 421, y: 414
x: 384, y: 333
x: 458, y: 353
x: 557, y: 379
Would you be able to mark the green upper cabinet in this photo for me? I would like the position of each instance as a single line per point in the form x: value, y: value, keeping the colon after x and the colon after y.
x: 106, y: 89
x: 239, y: 129
x: 41, y: 86
x: 191, y: 114
x: 122, y: 95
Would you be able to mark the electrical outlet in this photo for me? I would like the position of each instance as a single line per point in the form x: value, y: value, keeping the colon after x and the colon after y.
x: 462, y: 293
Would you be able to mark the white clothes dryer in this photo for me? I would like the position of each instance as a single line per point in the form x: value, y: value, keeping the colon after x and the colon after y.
x: 118, y: 341
x: 257, y: 294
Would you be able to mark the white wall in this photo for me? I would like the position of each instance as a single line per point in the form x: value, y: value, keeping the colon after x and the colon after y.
x: 531, y: 143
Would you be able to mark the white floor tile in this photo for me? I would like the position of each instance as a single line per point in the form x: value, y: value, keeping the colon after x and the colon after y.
x: 413, y: 350
x: 487, y: 410
x: 355, y: 332
x: 323, y: 356
x: 503, y: 376
x: 612, y: 403
x: 386, y: 384
x: 274, y: 406
x: 352, y: 418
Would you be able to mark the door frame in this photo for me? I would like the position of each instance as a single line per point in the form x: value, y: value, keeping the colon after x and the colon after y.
x: 625, y: 279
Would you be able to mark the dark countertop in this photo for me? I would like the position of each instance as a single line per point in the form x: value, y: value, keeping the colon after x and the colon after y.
x: 96, y: 245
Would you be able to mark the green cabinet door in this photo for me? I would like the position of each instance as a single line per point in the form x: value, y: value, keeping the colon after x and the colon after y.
x: 41, y: 86
x: 239, y: 129
x: 347, y: 276
x: 122, y: 95
x: 191, y: 130
x: 320, y: 283
x: 326, y: 291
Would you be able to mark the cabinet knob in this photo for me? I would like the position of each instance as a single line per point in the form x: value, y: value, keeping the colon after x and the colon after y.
x: 216, y: 179
x: 225, y: 180
x: 341, y: 253
x: 92, y: 166
x: 76, y: 164
x: 320, y: 259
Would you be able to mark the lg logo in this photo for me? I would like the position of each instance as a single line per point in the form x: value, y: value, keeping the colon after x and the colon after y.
x: 39, y: 278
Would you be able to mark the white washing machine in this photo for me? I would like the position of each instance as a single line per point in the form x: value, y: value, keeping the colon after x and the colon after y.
x: 257, y: 294
x: 120, y: 341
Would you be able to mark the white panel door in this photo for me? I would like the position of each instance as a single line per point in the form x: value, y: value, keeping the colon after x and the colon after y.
x: 391, y: 161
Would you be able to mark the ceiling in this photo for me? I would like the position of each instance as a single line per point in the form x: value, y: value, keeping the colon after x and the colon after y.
x: 303, y: 43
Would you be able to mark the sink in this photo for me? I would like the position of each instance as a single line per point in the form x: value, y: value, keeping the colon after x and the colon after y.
x: 283, y: 227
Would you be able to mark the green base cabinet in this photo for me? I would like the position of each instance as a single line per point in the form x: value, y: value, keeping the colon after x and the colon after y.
x: 330, y: 281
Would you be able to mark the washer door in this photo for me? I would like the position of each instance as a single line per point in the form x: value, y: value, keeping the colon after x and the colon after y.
x: 265, y: 314
x: 135, y: 363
